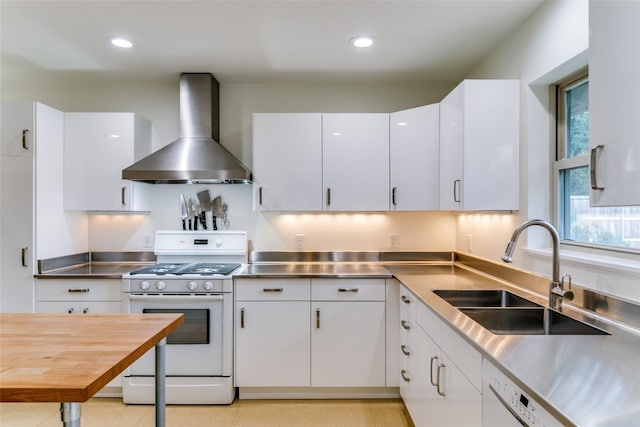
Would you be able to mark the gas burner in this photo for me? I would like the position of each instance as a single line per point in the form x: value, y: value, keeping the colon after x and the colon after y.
x: 159, y: 269
x: 209, y: 269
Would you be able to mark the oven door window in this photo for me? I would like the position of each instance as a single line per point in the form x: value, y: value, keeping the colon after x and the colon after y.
x: 194, y: 330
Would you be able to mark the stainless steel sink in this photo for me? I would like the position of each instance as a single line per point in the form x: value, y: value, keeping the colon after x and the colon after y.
x: 483, y: 298
x: 529, y: 321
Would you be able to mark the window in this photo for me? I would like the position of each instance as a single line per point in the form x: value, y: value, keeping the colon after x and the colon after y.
x: 578, y: 222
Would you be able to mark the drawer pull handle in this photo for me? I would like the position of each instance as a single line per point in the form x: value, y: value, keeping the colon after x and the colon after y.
x: 71, y: 310
x: 405, y: 299
x: 242, y: 318
x: 404, y: 376
x: 440, y: 392
x: 85, y: 310
x: 435, y: 384
x: 405, y: 324
x: 79, y: 291
x: 272, y: 290
x: 404, y: 350
x: 344, y: 290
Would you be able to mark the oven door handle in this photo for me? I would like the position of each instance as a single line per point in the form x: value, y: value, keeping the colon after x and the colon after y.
x: 174, y: 298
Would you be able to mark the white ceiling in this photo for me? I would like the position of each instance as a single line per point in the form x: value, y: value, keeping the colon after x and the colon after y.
x: 255, y: 41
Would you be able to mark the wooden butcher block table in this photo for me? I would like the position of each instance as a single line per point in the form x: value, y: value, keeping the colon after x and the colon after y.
x: 67, y: 358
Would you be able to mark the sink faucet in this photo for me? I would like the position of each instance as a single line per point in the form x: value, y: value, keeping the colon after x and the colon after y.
x: 556, y: 288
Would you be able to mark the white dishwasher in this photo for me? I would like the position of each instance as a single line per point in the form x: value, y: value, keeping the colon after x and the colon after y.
x: 504, y: 404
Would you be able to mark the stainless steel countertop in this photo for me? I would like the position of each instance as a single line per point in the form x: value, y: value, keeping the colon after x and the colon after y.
x: 290, y: 270
x: 583, y: 380
x: 92, y: 270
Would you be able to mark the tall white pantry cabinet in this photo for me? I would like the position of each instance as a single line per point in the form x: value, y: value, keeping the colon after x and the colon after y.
x: 33, y: 222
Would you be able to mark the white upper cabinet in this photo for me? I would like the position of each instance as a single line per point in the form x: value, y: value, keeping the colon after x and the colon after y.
x: 287, y: 167
x: 614, y: 102
x: 479, y: 141
x: 415, y: 162
x: 97, y: 147
x: 355, y: 162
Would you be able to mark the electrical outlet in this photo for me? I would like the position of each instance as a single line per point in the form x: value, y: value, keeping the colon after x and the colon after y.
x: 299, y: 242
x: 146, y: 241
x: 469, y: 243
x: 393, y: 240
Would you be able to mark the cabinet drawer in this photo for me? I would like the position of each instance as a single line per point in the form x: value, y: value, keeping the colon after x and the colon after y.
x: 348, y: 289
x: 78, y: 290
x: 272, y: 289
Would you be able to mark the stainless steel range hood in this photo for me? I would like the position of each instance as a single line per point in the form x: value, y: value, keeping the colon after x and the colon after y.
x: 196, y: 157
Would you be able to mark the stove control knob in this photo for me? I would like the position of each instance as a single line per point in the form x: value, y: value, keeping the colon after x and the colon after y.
x: 208, y: 285
x: 144, y: 285
x: 192, y: 286
x: 160, y: 285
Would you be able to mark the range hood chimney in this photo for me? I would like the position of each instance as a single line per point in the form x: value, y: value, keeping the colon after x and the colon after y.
x: 196, y: 157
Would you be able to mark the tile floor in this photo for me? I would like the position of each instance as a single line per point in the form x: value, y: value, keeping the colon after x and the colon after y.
x: 110, y: 412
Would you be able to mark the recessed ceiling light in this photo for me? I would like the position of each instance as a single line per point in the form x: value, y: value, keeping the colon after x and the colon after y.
x: 362, y: 41
x: 402, y: 123
x: 120, y: 42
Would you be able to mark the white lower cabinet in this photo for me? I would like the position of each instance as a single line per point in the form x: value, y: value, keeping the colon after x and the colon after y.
x: 310, y: 333
x: 348, y: 345
x: 272, y: 344
x: 79, y: 296
x: 440, y: 372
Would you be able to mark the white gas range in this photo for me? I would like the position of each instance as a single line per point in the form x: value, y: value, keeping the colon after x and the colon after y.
x: 193, y: 276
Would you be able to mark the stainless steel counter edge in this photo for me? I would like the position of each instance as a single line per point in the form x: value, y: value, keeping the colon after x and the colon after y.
x: 93, y: 265
x: 566, y: 373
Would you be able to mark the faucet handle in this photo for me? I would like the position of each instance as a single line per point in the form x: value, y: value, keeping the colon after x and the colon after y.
x: 566, y: 293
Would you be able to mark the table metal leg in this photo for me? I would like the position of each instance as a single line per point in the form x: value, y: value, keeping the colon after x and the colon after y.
x: 70, y: 414
x: 160, y: 383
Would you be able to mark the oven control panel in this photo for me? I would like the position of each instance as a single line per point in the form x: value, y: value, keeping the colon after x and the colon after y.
x: 521, y: 406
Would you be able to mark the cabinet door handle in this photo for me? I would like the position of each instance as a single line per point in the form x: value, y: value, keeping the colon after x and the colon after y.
x: 71, y: 310
x: 260, y: 196
x: 348, y: 290
x: 85, y: 310
x: 317, y: 318
x: 78, y: 291
x: 404, y: 376
x: 393, y: 196
x: 404, y: 350
x: 440, y: 392
x: 272, y: 290
x: 124, y: 193
x: 24, y: 256
x: 24, y: 139
x: 405, y: 324
x: 435, y: 384
x: 242, y: 318
x: 594, y: 168
x: 405, y: 300
x: 456, y: 190
x: 328, y: 196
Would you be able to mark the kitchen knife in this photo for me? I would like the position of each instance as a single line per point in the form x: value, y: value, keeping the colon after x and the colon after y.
x: 190, y: 211
x: 205, y: 204
x: 183, y: 210
x: 216, y: 210
x: 196, y: 214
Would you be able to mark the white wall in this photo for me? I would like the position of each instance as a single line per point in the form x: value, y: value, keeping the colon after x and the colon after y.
x: 549, y: 45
